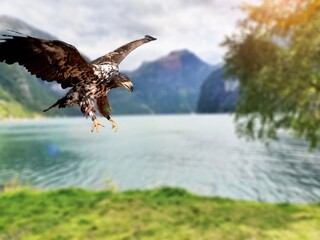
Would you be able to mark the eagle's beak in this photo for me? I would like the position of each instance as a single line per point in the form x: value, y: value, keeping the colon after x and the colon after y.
x: 128, y: 86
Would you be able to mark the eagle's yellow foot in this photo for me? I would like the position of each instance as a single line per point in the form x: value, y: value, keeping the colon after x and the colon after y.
x: 95, y: 125
x: 114, y: 125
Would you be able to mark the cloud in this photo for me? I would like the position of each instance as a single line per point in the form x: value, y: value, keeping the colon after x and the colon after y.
x: 96, y: 27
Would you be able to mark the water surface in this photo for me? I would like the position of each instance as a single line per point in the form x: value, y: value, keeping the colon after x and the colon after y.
x: 198, y: 152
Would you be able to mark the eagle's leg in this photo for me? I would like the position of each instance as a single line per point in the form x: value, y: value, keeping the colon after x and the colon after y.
x: 87, y: 108
x: 105, y: 109
x: 114, y: 125
x: 95, y: 125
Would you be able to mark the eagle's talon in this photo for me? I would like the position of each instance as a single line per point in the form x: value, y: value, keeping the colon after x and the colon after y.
x: 114, y: 125
x: 95, y: 125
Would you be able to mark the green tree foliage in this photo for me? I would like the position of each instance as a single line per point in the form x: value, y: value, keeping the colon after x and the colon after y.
x: 276, y: 57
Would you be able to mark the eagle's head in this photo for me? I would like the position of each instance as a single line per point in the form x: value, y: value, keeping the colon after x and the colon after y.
x: 122, y: 80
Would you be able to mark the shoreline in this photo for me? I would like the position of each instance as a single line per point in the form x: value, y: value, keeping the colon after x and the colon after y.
x: 21, y: 119
x: 17, y: 119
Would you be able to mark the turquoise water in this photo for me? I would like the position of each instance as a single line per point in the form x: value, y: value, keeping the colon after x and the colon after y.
x: 198, y: 152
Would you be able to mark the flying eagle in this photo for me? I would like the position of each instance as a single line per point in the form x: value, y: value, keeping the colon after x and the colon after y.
x: 53, y: 60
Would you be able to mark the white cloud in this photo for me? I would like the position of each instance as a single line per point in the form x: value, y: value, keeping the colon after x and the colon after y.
x: 96, y: 27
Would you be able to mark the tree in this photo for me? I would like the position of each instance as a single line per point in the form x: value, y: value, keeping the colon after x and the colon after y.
x: 276, y: 58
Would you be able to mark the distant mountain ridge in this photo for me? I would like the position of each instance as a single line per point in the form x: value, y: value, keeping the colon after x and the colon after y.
x: 170, y: 84
x: 15, y: 24
x: 217, y: 94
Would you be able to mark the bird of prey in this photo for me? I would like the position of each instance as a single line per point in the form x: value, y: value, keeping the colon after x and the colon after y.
x: 53, y: 60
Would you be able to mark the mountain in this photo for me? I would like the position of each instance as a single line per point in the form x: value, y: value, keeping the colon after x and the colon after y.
x: 170, y: 84
x: 23, y: 95
x: 218, y: 94
x: 10, y: 23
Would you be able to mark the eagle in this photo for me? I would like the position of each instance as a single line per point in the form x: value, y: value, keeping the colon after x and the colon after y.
x: 54, y: 60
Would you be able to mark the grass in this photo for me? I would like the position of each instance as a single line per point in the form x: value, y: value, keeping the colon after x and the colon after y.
x: 165, y: 213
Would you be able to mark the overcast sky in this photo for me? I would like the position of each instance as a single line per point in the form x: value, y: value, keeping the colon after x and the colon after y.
x: 96, y: 27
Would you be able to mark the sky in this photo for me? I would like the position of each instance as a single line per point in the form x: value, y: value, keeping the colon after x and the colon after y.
x: 96, y: 27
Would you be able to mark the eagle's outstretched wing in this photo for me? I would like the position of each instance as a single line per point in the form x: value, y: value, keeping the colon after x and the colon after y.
x: 120, y: 53
x: 50, y: 60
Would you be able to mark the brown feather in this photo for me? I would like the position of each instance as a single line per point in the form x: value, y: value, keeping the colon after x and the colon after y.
x: 50, y: 60
x: 104, y: 106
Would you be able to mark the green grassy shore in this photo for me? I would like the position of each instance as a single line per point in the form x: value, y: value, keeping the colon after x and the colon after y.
x: 165, y: 213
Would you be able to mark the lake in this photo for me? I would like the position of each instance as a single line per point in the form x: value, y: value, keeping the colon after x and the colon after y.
x: 200, y: 153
